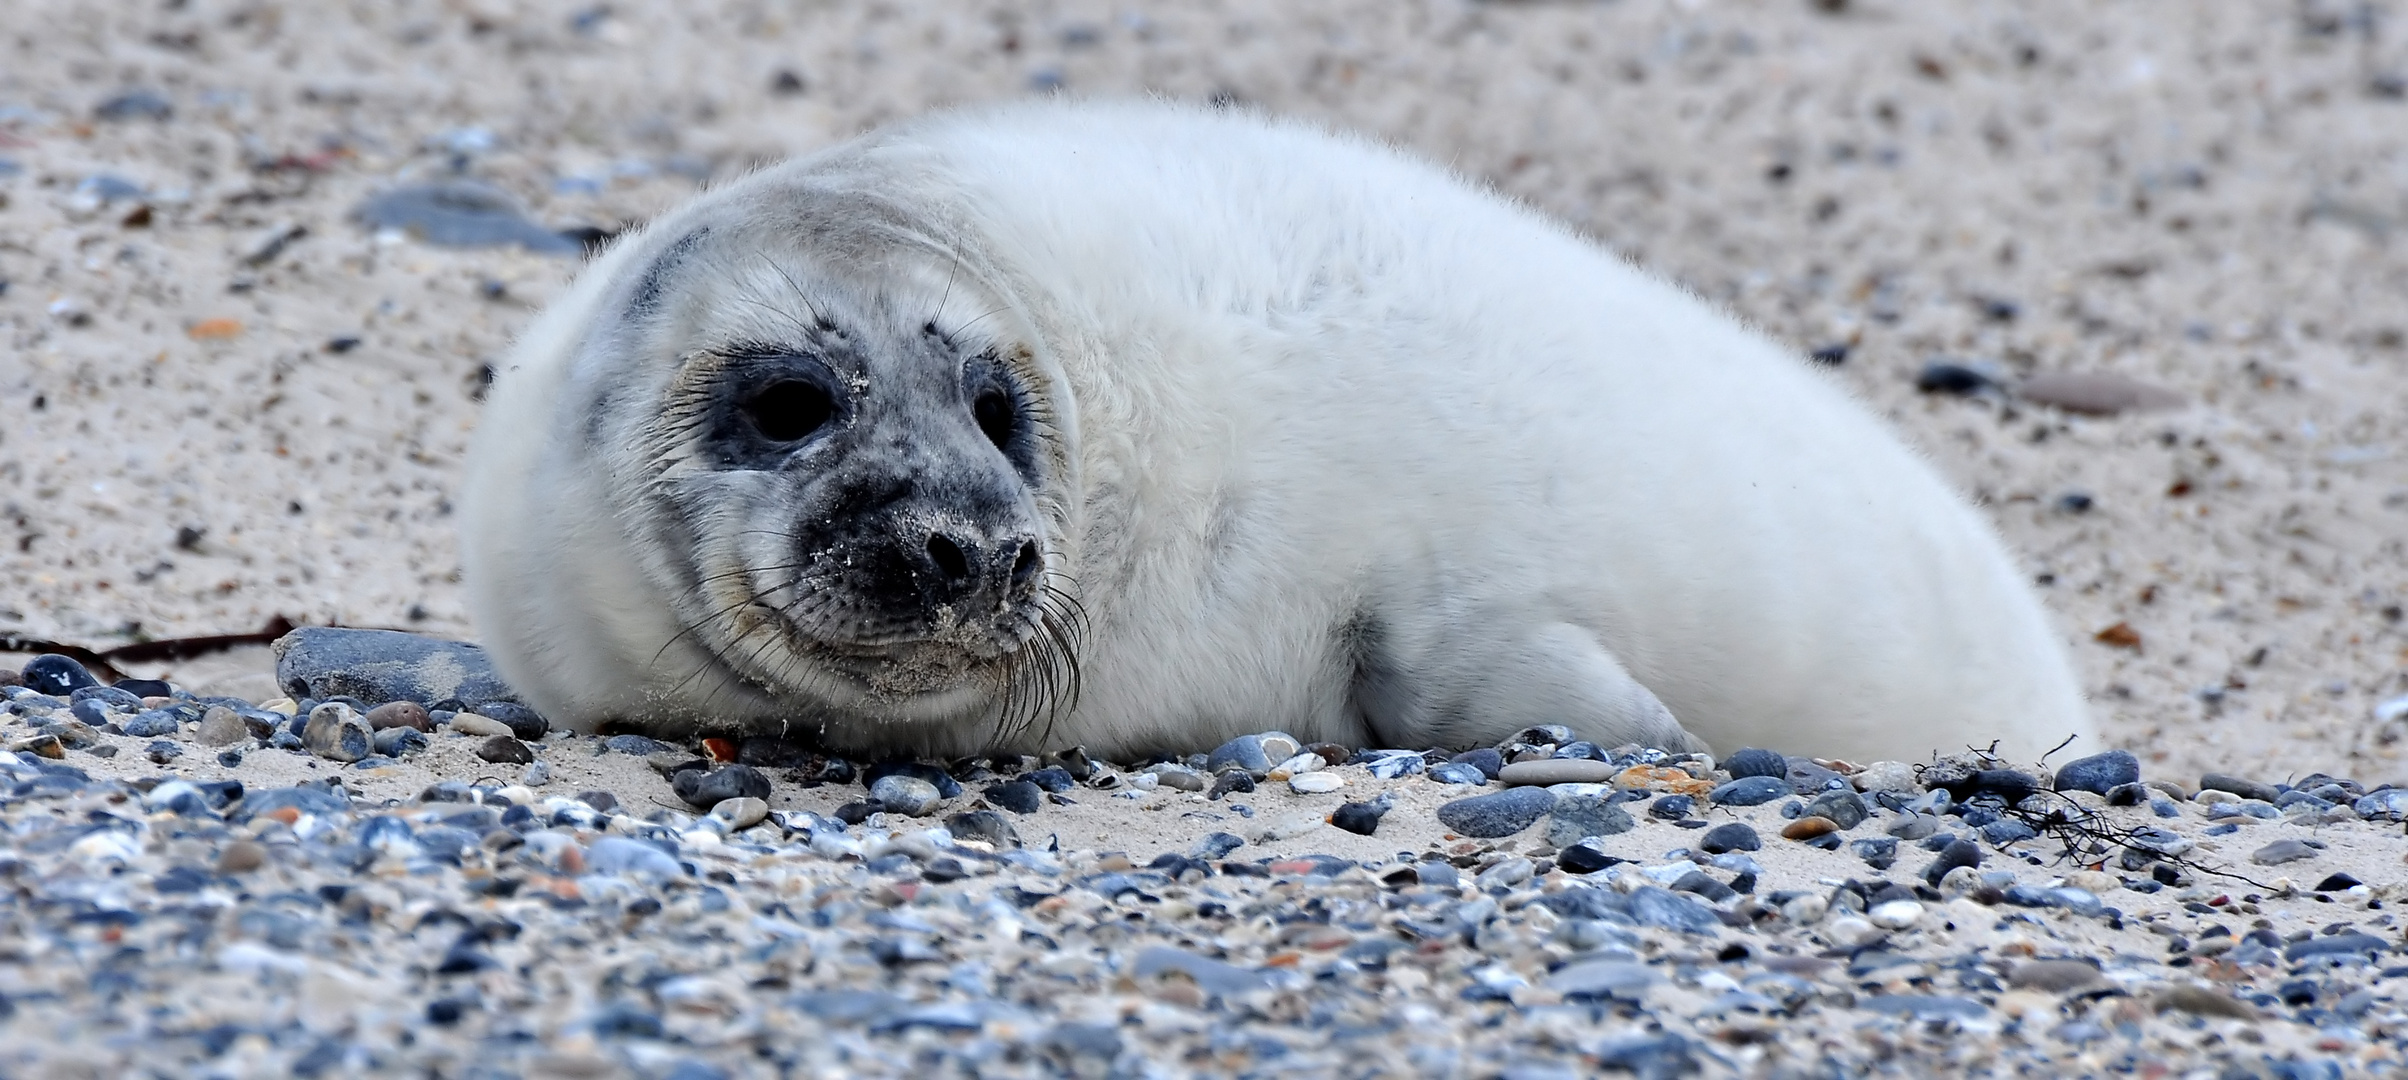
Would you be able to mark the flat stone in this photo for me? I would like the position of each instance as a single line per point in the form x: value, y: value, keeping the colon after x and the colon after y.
x: 2057, y: 976
x: 1895, y: 914
x: 2245, y: 788
x: 1623, y: 979
x: 1913, y: 826
x: 1557, y: 771
x: 986, y: 826
x: 479, y: 725
x: 1578, y: 817
x: 1315, y: 783
x: 1502, y: 814
x: 2282, y: 851
x: 1179, y: 777
x: 707, y: 789
x: 1244, y: 752
x: 1017, y: 796
x: 2203, y: 1001
x: 385, y: 665
x: 2096, y: 393
x: 1751, y: 791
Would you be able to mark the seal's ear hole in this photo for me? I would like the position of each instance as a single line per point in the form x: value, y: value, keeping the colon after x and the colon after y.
x: 993, y: 408
x: 789, y: 411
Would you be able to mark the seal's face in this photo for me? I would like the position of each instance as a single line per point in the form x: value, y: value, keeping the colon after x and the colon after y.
x: 850, y: 497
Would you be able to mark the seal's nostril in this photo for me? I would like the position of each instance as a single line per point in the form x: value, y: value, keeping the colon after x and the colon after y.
x: 1026, y: 566
x: 948, y: 557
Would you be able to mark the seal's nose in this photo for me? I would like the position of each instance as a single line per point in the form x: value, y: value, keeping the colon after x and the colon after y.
x: 958, y: 564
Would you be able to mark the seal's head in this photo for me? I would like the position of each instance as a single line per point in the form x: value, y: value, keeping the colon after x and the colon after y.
x: 826, y: 491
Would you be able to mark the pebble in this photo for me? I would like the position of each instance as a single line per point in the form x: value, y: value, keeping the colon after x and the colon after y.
x: 336, y: 733
x: 524, y: 723
x: 1456, y: 772
x: 1957, y: 854
x: 1754, y: 762
x: 384, y: 665
x: 2282, y: 851
x: 742, y: 812
x: 1489, y: 763
x: 1502, y: 814
x: 1895, y: 914
x: 56, y: 675
x: 463, y: 214
x: 1244, y: 752
x: 1894, y: 777
x: 1575, y: 818
x: 700, y: 788
x: 2095, y: 393
x: 903, y: 794
x: 1017, y: 796
x: 1315, y: 783
x: 1807, y: 828
x: 477, y: 725
x: 2057, y: 976
x: 985, y: 826
x: 944, y: 783
x: 151, y: 723
x: 221, y: 726
x: 1751, y: 791
x: 1557, y: 771
x: 1844, y: 807
x: 2234, y: 785
x: 505, y: 750
x: 2099, y: 773
x: 1180, y: 777
x: 1730, y: 836
x: 407, y: 714
x: 1360, y: 818
x: 398, y: 741
x: 241, y: 857
x: 2388, y: 805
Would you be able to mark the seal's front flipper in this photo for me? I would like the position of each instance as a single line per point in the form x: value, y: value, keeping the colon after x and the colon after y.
x: 1558, y: 673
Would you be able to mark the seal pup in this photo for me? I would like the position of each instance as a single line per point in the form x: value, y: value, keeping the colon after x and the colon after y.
x: 1140, y: 426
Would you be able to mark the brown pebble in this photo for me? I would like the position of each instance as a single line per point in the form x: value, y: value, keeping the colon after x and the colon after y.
x: 2057, y: 976
x: 1809, y: 827
x: 47, y: 746
x: 393, y: 714
x: 242, y: 857
x: 504, y: 750
x: 2202, y: 1001
x: 2096, y: 394
x: 469, y: 723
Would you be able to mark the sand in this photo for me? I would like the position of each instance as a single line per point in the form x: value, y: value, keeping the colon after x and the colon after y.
x: 2202, y: 197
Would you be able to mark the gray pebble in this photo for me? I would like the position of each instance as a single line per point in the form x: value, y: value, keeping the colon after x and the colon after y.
x: 461, y: 213
x: 1755, y: 762
x: 1578, y: 817
x: 1845, y: 808
x: 1502, y: 814
x: 1751, y: 791
x: 2099, y: 773
x: 1244, y: 752
x: 908, y: 795
x: 221, y: 726
x: 2247, y: 789
x: 384, y: 665
x: 986, y: 826
x: 1730, y: 836
x: 707, y: 789
x: 1456, y: 772
x: 505, y: 750
x: 1557, y: 771
x: 151, y: 724
x: 1017, y: 796
x: 1958, y: 853
x: 2282, y: 851
x: 398, y: 741
x: 1485, y: 760
x: 621, y: 855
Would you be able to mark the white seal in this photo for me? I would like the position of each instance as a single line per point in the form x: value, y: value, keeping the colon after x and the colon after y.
x: 1140, y: 427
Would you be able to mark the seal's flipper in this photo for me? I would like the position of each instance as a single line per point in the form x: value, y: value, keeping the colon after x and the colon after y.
x: 1555, y: 673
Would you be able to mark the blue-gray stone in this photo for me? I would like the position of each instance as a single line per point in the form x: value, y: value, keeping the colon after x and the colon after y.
x: 524, y: 723
x: 151, y: 724
x: 1456, y: 772
x: 1485, y: 759
x: 461, y: 213
x: 2006, y: 831
x: 1808, y: 778
x: 308, y: 800
x: 1244, y: 752
x: 1754, y: 762
x: 2389, y: 804
x: 621, y: 855
x: 1602, y: 977
x: 2346, y: 943
x: 1214, y: 977
x: 2241, y: 786
x: 1877, y: 852
x: 1730, y: 836
x: 1502, y: 814
x: 1959, y: 852
x: 1216, y: 845
x: 1578, y: 817
x: 946, y: 786
x: 397, y: 741
x: 1925, y: 1006
x: 1017, y: 796
x: 2079, y: 901
x: 1655, y: 906
x: 2099, y: 773
x: 637, y: 745
x: 1751, y: 791
x: 385, y: 665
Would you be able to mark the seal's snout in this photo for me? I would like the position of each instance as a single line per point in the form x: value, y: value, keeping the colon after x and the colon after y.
x: 957, y: 567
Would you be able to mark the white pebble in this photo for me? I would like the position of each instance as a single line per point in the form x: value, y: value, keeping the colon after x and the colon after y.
x: 1315, y: 783
x: 1895, y: 914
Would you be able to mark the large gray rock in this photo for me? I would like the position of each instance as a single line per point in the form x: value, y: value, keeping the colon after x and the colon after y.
x: 377, y: 666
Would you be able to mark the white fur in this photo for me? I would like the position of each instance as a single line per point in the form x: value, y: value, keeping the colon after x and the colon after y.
x: 1307, y: 384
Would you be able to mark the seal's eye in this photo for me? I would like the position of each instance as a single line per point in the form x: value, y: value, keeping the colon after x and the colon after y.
x: 993, y: 408
x: 789, y: 411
